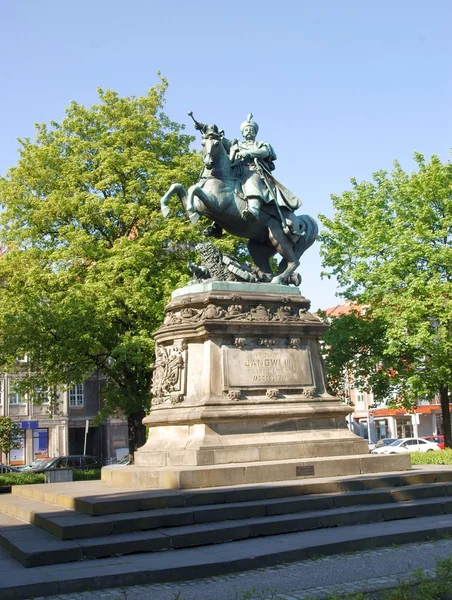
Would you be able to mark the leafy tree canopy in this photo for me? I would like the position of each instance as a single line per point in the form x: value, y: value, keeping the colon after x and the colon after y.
x: 89, y: 261
x: 390, y: 247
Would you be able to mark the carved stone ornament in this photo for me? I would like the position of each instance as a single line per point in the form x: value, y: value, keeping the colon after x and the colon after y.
x: 272, y: 393
x: 234, y: 394
x: 260, y: 313
x: 238, y: 312
x: 240, y: 342
x: 294, y: 342
x: 308, y: 392
x: 266, y: 342
x: 169, y: 370
x: 283, y: 313
x: 212, y: 312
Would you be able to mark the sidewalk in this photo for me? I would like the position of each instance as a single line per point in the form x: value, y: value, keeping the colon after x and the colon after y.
x: 364, y: 571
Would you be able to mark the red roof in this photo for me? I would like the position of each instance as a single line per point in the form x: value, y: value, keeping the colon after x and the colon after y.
x: 341, y: 309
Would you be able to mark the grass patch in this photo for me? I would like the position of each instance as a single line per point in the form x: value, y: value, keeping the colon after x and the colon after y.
x: 443, y: 457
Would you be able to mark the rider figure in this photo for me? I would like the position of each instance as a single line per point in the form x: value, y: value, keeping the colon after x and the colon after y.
x: 253, y: 162
x: 243, y: 155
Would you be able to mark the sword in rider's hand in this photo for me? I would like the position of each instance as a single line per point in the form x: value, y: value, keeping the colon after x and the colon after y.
x: 273, y: 196
x: 199, y: 126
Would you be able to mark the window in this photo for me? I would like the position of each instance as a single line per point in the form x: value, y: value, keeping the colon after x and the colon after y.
x: 76, y: 396
x: 14, y: 395
x: 359, y: 400
x: 41, y: 396
x: 40, y: 443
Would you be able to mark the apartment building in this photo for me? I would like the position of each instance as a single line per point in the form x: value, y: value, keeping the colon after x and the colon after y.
x: 66, y: 426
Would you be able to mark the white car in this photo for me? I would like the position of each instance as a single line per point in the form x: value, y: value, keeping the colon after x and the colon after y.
x: 407, y: 445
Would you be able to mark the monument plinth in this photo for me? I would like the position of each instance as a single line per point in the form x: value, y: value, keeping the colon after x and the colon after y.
x: 239, y: 395
x: 239, y: 378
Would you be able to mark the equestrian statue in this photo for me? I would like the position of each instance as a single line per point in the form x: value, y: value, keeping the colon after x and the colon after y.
x: 237, y: 191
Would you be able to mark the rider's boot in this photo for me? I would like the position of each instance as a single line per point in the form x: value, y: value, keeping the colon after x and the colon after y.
x: 251, y: 212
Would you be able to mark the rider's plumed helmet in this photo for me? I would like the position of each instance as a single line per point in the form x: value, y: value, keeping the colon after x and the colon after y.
x: 249, y: 121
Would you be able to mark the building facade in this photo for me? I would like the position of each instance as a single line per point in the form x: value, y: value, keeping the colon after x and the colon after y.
x: 66, y: 426
x: 376, y: 421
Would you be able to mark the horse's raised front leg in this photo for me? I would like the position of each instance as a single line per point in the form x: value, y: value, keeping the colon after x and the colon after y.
x: 194, y: 208
x: 177, y: 189
x: 283, y: 246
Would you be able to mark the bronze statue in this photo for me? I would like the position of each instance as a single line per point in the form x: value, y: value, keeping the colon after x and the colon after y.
x: 239, y: 193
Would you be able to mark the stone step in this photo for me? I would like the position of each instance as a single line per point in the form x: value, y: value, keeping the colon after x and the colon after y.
x: 68, y: 524
x: 231, y: 557
x: 97, y: 499
x: 32, y: 546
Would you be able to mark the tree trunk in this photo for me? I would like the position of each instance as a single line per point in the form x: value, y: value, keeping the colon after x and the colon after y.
x: 444, y: 395
x: 137, y: 431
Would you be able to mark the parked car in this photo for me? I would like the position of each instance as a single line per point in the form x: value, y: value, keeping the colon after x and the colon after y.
x: 33, y: 465
x: 381, y: 443
x: 407, y: 445
x: 6, y: 469
x: 75, y: 461
x: 436, y: 439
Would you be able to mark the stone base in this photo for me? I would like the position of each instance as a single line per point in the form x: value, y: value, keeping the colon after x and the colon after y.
x: 246, y: 442
x: 239, y: 396
x: 254, y: 472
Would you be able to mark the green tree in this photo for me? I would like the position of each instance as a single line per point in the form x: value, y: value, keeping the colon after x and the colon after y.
x: 390, y: 247
x: 11, y: 436
x: 90, y: 262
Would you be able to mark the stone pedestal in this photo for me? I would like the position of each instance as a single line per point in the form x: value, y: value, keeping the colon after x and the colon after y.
x: 239, y: 378
x: 239, y: 395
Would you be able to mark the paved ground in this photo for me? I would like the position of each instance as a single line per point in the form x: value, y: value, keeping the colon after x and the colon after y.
x: 363, y: 571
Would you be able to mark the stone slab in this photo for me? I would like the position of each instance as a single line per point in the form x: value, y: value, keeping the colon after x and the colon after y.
x: 249, y: 473
x: 33, y: 547
x: 220, y: 559
x: 236, y: 287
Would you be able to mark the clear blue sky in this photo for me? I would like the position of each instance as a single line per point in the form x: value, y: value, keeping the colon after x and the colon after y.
x: 340, y: 88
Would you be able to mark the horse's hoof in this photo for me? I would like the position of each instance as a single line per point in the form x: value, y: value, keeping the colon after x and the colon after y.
x: 165, y: 211
x: 277, y: 279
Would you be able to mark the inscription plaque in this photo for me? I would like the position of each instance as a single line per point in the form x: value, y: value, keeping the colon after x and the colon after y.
x: 305, y: 471
x: 259, y: 367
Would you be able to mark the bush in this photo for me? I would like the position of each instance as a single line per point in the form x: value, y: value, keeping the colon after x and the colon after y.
x: 89, y: 475
x: 443, y: 457
x: 30, y: 477
x: 21, y: 478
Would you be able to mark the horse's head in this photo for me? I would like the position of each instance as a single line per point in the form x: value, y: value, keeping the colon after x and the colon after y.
x: 211, y: 141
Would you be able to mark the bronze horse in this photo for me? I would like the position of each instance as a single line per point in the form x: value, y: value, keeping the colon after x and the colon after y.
x: 218, y: 197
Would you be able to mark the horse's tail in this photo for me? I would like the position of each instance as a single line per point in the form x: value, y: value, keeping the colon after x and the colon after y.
x: 310, y: 228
